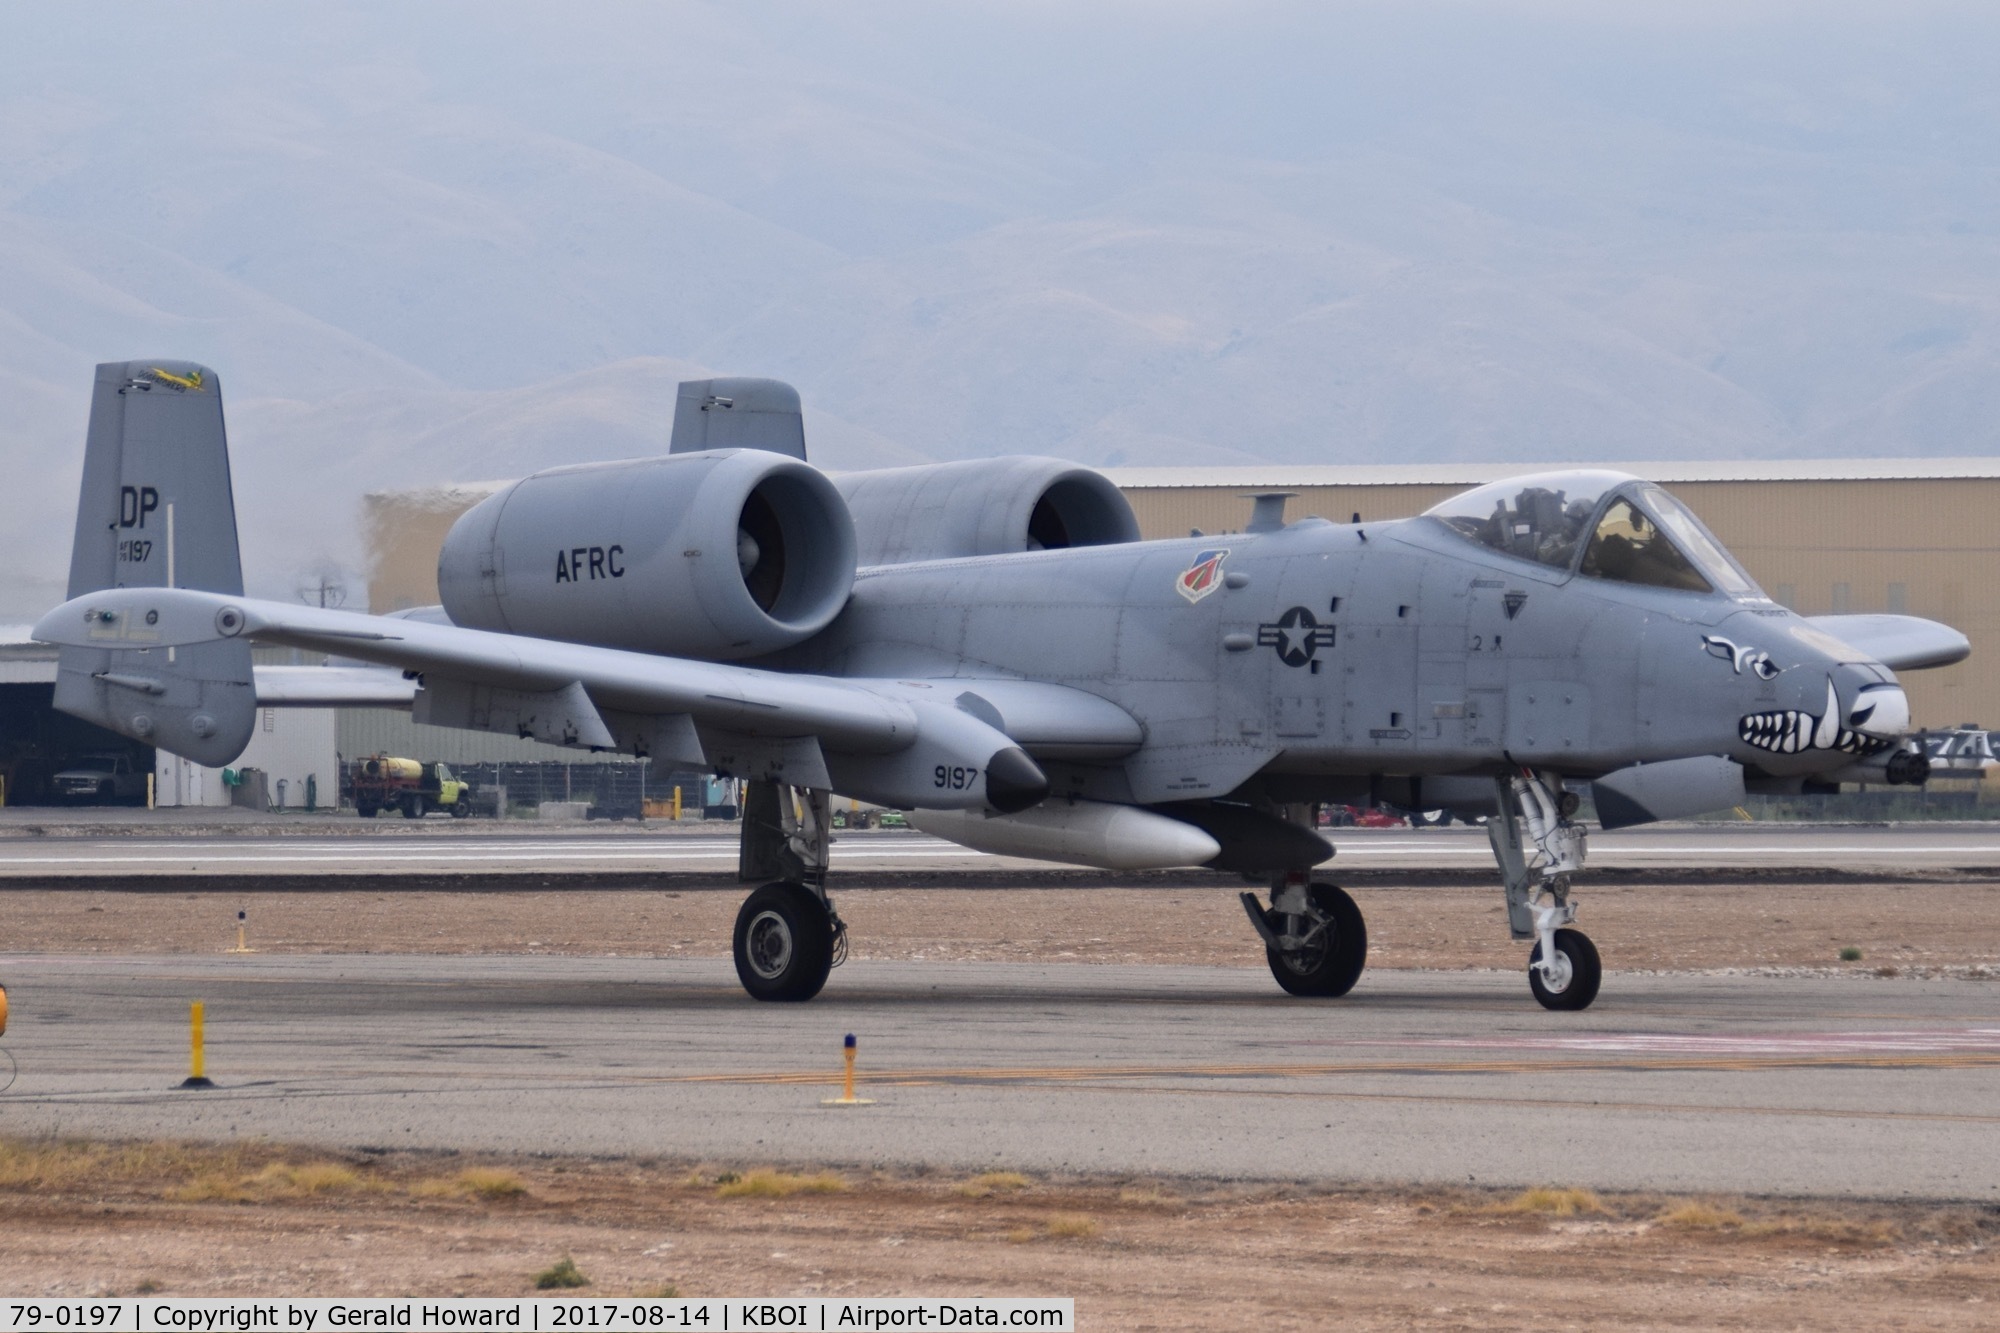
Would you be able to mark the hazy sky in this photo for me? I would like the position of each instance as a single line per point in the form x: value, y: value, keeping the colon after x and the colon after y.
x: 424, y: 243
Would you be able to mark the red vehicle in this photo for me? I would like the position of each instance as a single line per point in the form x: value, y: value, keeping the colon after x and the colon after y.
x: 1352, y: 816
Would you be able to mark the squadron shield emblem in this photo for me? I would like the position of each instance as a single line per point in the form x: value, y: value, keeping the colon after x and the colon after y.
x: 1203, y: 577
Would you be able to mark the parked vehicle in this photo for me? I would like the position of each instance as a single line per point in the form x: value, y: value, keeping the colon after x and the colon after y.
x: 384, y: 782
x: 100, y: 779
x: 1354, y: 816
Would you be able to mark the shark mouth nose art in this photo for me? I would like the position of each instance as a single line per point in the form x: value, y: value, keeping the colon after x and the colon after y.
x: 1792, y: 730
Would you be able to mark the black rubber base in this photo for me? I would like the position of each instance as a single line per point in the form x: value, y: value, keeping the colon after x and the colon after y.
x: 195, y: 1083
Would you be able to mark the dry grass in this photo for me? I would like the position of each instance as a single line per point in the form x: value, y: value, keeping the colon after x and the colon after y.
x: 320, y: 1221
x: 561, y: 1274
x: 276, y: 1180
x: 491, y: 1183
x: 475, y: 1182
x: 1070, y: 1226
x: 1822, y: 1227
x: 1694, y: 1215
x: 992, y: 1182
x: 1544, y: 1201
x: 768, y: 1183
x: 311, y: 1178
x: 211, y: 1188
x: 50, y: 1164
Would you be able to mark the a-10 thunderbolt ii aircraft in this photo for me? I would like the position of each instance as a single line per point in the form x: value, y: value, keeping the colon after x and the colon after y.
x: 990, y: 646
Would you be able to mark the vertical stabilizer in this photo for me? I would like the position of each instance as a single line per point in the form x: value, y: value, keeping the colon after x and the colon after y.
x: 738, y: 413
x: 156, y: 511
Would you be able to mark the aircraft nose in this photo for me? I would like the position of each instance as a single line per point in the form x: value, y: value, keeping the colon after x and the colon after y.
x: 1881, y: 709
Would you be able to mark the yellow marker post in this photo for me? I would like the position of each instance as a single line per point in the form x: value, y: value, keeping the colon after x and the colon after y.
x: 677, y: 805
x: 847, y: 1097
x: 197, y: 1065
x: 242, y: 944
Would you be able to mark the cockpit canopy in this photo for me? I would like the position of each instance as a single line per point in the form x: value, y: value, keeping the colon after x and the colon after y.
x: 1605, y: 525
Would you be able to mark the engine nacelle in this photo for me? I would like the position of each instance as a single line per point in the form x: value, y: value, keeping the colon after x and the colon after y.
x: 988, y: 506
x: 729, y: 553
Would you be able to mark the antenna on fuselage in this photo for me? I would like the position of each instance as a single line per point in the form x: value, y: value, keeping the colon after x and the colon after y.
x: 1267, y: 510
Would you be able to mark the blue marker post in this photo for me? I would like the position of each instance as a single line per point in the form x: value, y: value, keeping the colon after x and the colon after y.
x: 847, y: 1097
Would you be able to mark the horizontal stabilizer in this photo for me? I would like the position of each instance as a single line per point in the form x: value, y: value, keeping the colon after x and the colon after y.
x: 1901, y: 643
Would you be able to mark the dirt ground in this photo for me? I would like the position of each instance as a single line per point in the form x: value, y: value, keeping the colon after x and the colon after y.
x: 1920, y: 928
x: 1135, y: 1254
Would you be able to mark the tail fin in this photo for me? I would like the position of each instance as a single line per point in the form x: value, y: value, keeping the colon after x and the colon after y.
x: 738, y: 413
x: 156, y: 511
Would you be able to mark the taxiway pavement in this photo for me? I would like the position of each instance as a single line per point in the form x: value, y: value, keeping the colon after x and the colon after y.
x: 442, y: 848
x: 1691, y: 1082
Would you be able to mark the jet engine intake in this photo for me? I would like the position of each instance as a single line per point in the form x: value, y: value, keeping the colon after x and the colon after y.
x: 724, y: 554
x: 988, y: 506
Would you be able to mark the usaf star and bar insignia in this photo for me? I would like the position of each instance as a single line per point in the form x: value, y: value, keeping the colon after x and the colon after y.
x: 1296, y: 636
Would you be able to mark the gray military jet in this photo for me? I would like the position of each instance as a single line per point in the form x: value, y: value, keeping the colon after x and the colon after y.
x: 990, y: 646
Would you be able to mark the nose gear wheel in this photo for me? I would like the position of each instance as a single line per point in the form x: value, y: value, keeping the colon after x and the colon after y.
x: 1571, y: 977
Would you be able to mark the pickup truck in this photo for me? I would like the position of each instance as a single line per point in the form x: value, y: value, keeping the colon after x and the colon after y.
x: 100, y: 779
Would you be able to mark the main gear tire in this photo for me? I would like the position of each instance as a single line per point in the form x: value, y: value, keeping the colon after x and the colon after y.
x: 1335, y: 962
x: 783, y: 943
x: 1574, y: 987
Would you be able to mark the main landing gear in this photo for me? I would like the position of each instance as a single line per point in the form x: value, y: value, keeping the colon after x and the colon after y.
x: 1563, y: 969
x: 1314, y: 937
x: 788, y: 937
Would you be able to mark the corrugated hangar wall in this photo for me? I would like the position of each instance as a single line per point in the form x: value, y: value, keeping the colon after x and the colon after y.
x: 1909, y: 535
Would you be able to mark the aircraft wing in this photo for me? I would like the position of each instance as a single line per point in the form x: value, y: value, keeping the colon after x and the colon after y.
x: 577, y: 694
x: 1901, y: 643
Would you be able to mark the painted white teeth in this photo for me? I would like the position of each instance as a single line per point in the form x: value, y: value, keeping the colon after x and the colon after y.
x: 1789, y: 731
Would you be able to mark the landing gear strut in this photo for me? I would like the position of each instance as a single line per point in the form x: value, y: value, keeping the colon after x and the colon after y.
x: 788, y: 937
x: 1314, y: 937
x: 1563, y: 969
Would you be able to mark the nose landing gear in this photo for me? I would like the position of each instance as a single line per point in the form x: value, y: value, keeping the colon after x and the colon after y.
x: 1565, y: 976
x: 1563, y: 969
